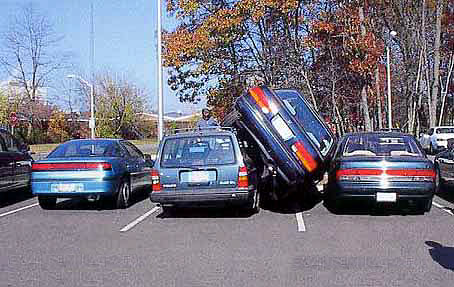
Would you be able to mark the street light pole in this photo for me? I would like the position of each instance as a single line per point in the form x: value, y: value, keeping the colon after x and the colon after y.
x: 160, y: 96
x: 92, y: 121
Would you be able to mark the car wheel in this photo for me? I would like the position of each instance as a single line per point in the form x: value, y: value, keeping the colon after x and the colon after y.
x: 123, y: 195
x: 47, y: 202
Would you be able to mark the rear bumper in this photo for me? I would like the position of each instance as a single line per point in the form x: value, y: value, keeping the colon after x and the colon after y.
x: 205, y: 197
x: 90, y: 187
x: 404, y: 193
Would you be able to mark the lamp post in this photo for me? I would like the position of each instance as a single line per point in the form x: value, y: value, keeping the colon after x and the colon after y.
x: 160, y: 96
x: 91, y: 122
x: 388, y: 77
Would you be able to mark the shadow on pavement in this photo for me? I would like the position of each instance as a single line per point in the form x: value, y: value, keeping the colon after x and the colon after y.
x: 102, y: 204
x: 204, y: 212
x: 443, y: 255
x: 14, y: 196
x: 365, y: 208
x: 301, y: 200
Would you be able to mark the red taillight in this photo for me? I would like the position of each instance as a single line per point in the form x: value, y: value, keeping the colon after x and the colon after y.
x: 304, y: 156
x: 155, y: 182
x: 389, y: 175
x: 66, y: 166
x: 351, y: 174
x: 243, y: 182
x: 260, y: 98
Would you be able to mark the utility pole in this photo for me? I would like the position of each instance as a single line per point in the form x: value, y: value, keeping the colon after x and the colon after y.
x: 160, y: 96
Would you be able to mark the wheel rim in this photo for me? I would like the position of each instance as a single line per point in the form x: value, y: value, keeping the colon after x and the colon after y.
x: 125, y: 192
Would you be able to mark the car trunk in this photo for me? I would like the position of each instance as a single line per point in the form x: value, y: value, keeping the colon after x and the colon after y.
x: 183, y: 179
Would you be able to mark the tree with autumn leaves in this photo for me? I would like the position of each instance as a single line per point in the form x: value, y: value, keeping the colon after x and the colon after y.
x: 333, y: 51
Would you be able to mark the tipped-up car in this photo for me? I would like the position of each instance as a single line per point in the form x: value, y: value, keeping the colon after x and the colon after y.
x: 382, y: 168
x: 91, y: 169
x: 292, y: 145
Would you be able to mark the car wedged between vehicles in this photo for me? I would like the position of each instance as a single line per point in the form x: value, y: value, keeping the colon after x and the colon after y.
x: 293, y: 144
x: 91, y: 169
x: 382, y: 168
x: 206, y: 167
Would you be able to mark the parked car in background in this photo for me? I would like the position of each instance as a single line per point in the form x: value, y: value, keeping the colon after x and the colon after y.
x: 91, y: 168
x: 444, y: 165
x: 15, y: 162
x: 292, y: 143
x: 381, y: 168
x: 206, y: 167
x: 436, y: 139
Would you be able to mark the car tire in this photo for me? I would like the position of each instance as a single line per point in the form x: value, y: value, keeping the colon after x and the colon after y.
x: 47, y: 202
x: 123, y: 194
x: 428, y: 205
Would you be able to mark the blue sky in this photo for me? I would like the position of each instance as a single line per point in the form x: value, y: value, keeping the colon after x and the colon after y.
x: 125, y: 38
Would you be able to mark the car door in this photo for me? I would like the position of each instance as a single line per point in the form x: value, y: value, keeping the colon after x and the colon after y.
x: 136, y: 165
x: 6, y: 166
x: 21, y: 161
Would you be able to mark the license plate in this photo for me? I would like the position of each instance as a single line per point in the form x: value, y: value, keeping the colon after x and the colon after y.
x: 67, y: 187
x: 198, y: 176
x: 282, y: 128
x: 386, y: 197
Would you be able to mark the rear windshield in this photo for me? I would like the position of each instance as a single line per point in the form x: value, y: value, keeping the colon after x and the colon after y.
x: 381, y: 145
x: 308, y: 120
x: 444, y: 131
x: 88, y: 148
x: 198, y: 150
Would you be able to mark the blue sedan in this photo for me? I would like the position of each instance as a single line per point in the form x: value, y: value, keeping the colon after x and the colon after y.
x: 91, y: 168
x: 384, y: 168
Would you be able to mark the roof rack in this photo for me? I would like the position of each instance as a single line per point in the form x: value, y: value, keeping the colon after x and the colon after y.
x: 204, y: 129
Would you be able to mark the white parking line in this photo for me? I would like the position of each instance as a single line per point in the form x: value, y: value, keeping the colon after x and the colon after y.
x: 17, y: 210
x: 140, y: 219
x: 300, y: 221
x: 444, y: 208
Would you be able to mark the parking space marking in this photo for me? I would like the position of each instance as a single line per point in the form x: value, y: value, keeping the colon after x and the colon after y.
x: 140, y: 219
x: 444, y: 208
x: 17, y: 210
x: 300, y: 221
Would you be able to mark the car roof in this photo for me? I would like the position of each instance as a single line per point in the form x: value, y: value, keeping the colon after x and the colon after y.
x: 95, y: 139
x: 202, y: 132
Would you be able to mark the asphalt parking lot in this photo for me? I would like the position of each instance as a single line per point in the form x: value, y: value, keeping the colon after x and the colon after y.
x: 84, y: 244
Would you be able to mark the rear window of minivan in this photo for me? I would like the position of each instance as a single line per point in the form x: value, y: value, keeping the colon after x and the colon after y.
x: 197, y: 151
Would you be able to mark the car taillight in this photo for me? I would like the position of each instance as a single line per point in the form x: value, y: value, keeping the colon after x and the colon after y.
x: 66, y: 166
x: 304, y: 156
x: 243, y: 182
x: 411, y: 174
x: 260, y: 98
x: 155, y: 182
x: 389, y: 175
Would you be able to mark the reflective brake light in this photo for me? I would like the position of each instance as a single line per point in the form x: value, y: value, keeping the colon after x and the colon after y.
x: 357, y: 174
x: 412, y: 174
x: 66, y: 166
x: 243, y: 182
x: 155, y: 182
x: 304, y: 156
x: 389, y: 175
x: 260, y: 98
